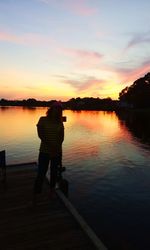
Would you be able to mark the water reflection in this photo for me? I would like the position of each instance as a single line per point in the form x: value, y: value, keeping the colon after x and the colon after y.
x: 90, y: 132
x: 89, y: 135
x: 19, y: 137
x: 107, y: 167
x: 138, y: 124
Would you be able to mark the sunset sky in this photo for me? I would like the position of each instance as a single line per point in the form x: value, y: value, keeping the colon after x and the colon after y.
x: 59, y: 49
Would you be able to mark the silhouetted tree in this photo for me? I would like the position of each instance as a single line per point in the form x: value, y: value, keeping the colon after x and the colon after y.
x: 138, y: 94
x: 90, y: 103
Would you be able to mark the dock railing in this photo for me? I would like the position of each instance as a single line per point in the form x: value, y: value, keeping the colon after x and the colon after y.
x: 85, y: 227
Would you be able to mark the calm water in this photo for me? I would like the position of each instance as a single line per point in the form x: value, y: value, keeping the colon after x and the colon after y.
x: 107, y: 157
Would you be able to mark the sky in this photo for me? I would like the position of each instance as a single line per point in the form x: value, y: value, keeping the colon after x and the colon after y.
x: 63, y: 49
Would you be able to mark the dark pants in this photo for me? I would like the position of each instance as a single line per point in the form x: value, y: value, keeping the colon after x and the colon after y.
x: 43, y: 163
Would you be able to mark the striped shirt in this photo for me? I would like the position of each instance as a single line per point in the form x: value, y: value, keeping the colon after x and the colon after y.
x: 51, y: 134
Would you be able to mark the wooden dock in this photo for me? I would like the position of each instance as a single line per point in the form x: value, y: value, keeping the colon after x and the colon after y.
x: 49, y: 226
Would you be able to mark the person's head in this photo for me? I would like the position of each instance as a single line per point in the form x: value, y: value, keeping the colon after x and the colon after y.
x: 55, y: 112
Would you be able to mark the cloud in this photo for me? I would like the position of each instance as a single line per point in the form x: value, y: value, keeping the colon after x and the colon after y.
x: 44, y: 1
x: 83, y: 53
x: 31, y: 39
x: 138, y: 39
x: 129, y: 75
x: 83, y: 59
x: 85, y: 84
x: 79, y: 7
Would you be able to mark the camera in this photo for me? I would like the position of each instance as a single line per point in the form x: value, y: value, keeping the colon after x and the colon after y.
x: 64, y: 118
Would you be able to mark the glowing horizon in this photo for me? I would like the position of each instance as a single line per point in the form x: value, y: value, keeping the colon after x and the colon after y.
x: 67, y: 49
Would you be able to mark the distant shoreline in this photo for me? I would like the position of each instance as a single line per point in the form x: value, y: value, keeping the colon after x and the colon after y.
x: 87, y: 103
x: 77, y: 104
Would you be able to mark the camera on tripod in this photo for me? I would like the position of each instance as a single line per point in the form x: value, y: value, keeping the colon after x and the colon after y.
x: 64, y: 118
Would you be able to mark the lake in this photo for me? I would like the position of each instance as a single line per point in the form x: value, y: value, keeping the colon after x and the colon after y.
x: 107, y: 157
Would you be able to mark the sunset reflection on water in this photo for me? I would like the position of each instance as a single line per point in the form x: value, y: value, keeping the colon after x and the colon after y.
x: 91, y: 133
x: 87, y: 133
x: 107, y: 166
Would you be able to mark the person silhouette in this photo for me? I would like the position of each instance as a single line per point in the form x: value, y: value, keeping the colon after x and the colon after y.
x: 50, y: 130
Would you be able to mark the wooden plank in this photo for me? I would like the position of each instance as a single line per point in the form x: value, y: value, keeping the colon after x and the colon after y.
x: 49, y: 226
x: 23, y: 164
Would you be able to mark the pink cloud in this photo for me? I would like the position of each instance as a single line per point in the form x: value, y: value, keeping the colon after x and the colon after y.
x: 25, y: 39
x: 83, y: 53
x: 128, y: 76
x: 83, y: 59
x: 79, y: 7
x: 92, y: 83
x: 141, y: 71
x: 86, y: 84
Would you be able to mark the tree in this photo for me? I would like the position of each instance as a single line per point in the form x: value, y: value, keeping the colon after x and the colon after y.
x: 138, y: 94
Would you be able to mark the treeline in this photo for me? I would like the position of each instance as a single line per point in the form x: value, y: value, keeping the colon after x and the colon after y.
x: 31, y: 102
x: 90, y: 103
x: 87, y: 103
x: 135, y: 96
x: 138, y: 94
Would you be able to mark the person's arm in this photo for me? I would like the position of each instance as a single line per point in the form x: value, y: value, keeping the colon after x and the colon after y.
x: 40, y: 129
x: 62, y: 133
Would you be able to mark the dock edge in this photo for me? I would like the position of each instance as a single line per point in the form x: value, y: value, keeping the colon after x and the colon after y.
x: 89, y: 232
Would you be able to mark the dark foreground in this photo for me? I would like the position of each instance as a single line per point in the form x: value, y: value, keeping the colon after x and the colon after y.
x: 49, y: 226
